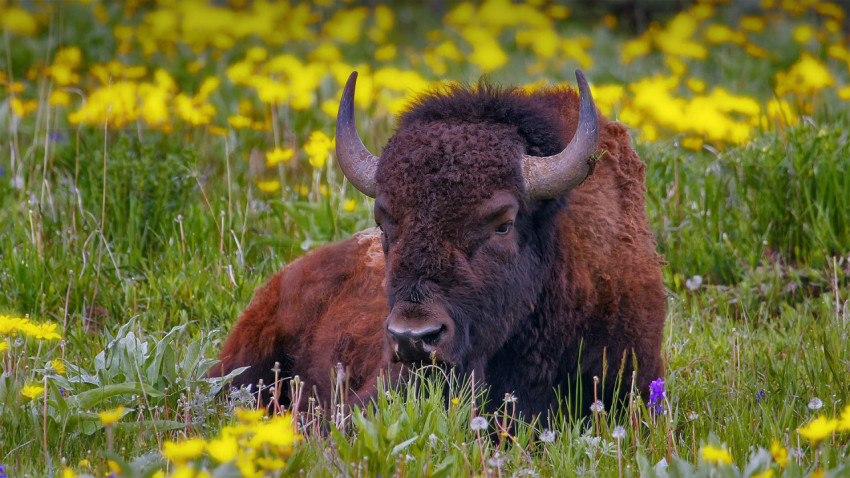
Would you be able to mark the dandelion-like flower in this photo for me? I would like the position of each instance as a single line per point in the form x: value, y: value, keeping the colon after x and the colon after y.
x: 110, y: 417
x: 715, y: 455
x: 58, y: 366
x: 694, y: 282
x: 619, y: 432
x: 779, y: 453
x: 656, y: 395
x: 182, y: 452
x: 818, y: 429
x: 478, y: 424
x: 548, y: 436
x: 815, y: 404
x: 32, y: 391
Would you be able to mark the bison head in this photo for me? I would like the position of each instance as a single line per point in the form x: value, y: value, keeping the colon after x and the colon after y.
x: 467, y: 224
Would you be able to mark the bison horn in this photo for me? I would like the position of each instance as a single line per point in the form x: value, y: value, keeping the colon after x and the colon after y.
x: 357, y: 163
x: 548, y: 177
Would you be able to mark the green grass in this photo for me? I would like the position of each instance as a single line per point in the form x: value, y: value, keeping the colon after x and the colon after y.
x: 145, y: 248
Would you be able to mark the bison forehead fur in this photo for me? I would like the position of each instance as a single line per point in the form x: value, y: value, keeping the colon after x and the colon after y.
x: 574, y: 287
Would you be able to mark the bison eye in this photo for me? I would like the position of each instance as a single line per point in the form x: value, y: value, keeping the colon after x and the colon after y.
x: 504, y: 228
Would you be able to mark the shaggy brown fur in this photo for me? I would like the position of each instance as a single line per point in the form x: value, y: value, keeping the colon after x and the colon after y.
x: 575, y: 284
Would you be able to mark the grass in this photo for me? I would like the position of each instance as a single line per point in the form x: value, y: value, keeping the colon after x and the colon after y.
x: 145, y: 247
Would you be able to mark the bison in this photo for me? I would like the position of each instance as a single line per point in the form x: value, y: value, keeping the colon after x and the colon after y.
x: 496, y: 253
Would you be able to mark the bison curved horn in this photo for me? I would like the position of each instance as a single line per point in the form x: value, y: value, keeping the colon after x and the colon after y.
x: 357, y: 163
x: 548, y: 177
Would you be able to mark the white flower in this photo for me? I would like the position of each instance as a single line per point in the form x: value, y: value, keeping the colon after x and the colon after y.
x: 548, y: 436
x: 815, y: 404
x: 597, y: 406
x: 619, y: 432
x: 694, y: 282
x: 478, y: 423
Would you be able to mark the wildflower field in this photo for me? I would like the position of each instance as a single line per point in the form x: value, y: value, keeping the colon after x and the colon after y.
x: 161, y: 159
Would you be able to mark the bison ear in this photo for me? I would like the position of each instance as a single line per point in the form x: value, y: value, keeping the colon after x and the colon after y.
x: 357, y: 163
x: 549, y: 177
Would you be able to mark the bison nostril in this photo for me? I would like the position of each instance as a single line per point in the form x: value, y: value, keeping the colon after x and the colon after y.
x: 413, y: 345
x: 431, y: 336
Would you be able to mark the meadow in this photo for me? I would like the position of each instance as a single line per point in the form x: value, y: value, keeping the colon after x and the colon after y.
x: 160, y: 160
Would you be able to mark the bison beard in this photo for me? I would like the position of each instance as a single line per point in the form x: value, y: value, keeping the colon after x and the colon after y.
x: 483, y: 260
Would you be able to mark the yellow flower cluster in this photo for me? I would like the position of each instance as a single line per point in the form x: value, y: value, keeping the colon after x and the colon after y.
x: 10, y: 326
x: 821, y: 427
x: 715, y: 455
x: 254, y: 444
x: 303, y: 64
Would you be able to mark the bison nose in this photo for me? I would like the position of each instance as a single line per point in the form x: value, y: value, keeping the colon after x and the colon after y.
x: 416, y: 345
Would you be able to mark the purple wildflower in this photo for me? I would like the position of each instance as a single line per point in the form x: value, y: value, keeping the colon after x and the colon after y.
x: 656, y: 395
x: 3, y: 473
x: 760, y: 396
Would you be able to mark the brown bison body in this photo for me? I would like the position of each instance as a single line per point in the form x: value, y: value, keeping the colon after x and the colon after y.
x: 476, y: 265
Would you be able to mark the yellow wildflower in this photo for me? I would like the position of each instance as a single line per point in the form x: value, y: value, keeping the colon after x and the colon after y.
x: 84, y: 463
x: 779, y: 453
x: 278, y: 155
x: 223, y: 449
x: 766, y: 474
x: 829, y: 9
x: 345, y: 25
x: 607, y: 97
x: 486, y: 52
x: 385, y: 53
x: 32, y: 391
x: 818, y: 429
x: 636, y: 48
x: 256, y: 54
x: 715, y: 455
x: 752, y: 24
x: 692, y: 142
x: 805, y: 77
x: 269, y: 186
x: 803, y: 33
x: 68, y: 473
x: 844, y: 93
x: 218, y: 130
x: 23, y: 108
x: 109, y: 417
x: 270, y: 463
x: 114, y: 467
x: 58, y: 366
x: 717, y: 34
x: 249, y: 416
x: 4, y: 345
x: 317, y: 148
x: 16, y: 87
x: 181, y: 452
x: 755, y: 51
x: 239, y: 121
x: 59, y: 98
x: 277, y: 432
x: 349, y: 205
x: 10, y: 325
x: 695, y: 85
x: 44, y: 331
x: 20, y: 21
